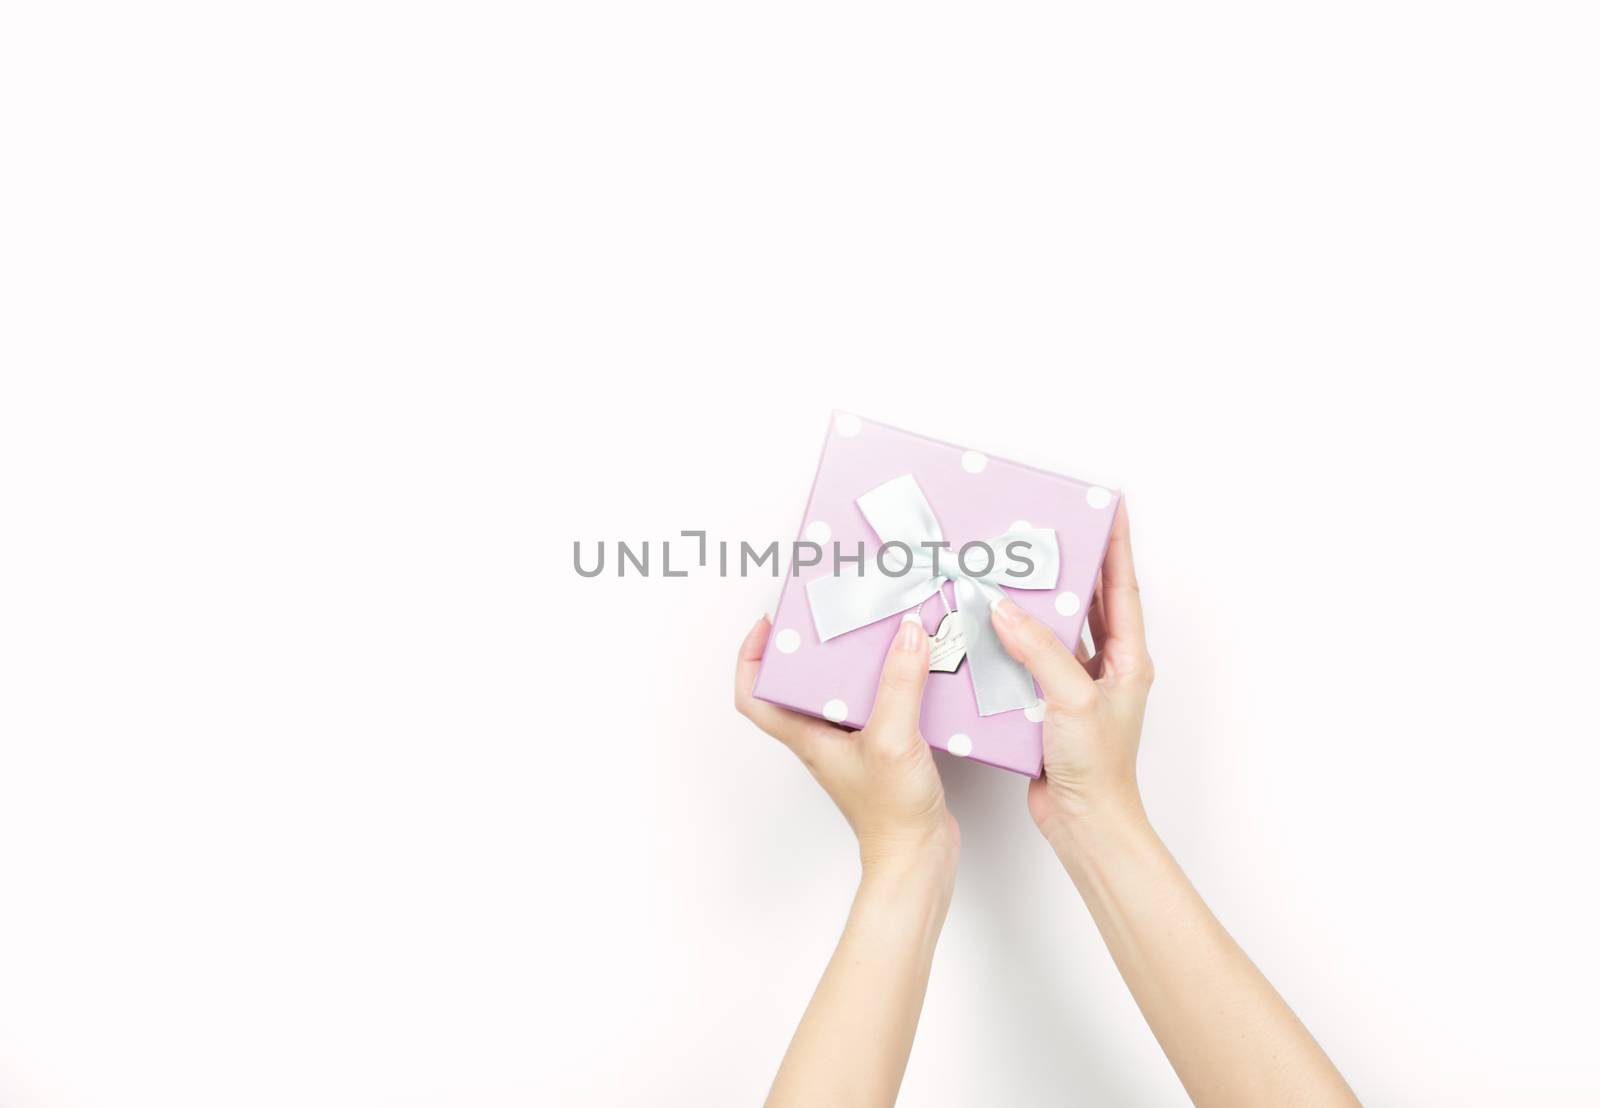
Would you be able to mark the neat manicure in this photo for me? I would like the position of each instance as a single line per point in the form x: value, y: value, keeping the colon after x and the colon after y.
x: 1006, y: 611
x: 911, y: 636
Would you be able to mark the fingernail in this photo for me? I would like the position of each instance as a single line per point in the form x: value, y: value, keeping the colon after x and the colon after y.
x: 911, y: 635
x: 1006, y: 611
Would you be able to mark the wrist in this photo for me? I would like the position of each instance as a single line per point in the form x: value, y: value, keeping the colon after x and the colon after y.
x: 927, y: 856
x: 906, y: 892
x: 1095, y: 826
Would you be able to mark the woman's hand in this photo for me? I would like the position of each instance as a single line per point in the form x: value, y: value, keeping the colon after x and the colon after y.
x: 1094, y: 707
x: 882, y: 777
x: 1229, y: 1035
x: 853, y: 1041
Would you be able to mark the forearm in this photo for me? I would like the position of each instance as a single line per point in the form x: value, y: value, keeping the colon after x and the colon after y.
x: 1229, y: 1035
x: 852, y: 1044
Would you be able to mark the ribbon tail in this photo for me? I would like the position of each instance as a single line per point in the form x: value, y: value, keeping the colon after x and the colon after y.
x: 999, y: 682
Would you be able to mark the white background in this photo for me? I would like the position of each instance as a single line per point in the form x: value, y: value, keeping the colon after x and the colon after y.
x: 326, y: 328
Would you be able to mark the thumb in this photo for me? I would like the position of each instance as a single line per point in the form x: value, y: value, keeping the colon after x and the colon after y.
x: 1065, y: 682
x: 897, y: 710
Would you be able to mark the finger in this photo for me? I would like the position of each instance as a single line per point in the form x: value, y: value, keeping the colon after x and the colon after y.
x: 799, y: 733
x: 1097, y: 616
x: 1065, y: 683
x: 1124, y: 613
x: 1095, y: 629
x: 897, y: 708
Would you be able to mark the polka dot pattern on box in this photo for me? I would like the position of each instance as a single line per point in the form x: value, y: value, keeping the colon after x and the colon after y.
x: 973, y: 462
x: 787, y: 641
x: 1034, y: 712
x: 960, y: 745
x: 1020, y: 525
x: 1098, y: 497
x: 818, y: 531
x: 1067, y: 603
x: 835, y: 710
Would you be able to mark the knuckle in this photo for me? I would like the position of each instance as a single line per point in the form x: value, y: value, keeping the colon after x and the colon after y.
x: 895, y: 747
x: 1037, y: 638
x: 1048, y: 649
x: 1072, y: 704
x: 900, y: 680
x: 1143, y: 671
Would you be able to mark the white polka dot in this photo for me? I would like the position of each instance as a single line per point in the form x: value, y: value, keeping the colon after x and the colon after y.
x: 847, y: 425
x: 835, y: 710
x: 818, y: 531
x: 1034, y: 711
x: 960, y: 745
x: 1098, y: 497
x: 787, y: 641
x: 973, y: 462
x: 1020, y: 525
x: 1067, y: 603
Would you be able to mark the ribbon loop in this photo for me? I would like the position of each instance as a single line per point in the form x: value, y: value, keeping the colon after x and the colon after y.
x: 899, y: 512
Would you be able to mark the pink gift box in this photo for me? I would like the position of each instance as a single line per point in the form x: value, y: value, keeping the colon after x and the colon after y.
x: 974, y: 497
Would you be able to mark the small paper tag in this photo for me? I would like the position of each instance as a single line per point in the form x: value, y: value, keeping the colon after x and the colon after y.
x: 948, y: 646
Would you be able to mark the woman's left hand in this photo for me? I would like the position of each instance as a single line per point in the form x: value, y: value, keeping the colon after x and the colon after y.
x: 852, y: 1044
x: 882, y: 777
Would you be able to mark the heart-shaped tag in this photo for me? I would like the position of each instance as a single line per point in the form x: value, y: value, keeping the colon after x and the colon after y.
x: 948, y: 645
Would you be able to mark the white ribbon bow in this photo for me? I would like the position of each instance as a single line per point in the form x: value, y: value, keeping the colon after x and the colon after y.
x: 899, y: 512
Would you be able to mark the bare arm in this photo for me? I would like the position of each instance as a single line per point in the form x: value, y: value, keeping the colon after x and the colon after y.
x: 1228, y: 1034
x: 853, y: 1042
x: 852, y: 1045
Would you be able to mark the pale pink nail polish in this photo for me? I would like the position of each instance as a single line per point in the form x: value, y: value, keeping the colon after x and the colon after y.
x: 910, y: 636
x: 1006, y: 612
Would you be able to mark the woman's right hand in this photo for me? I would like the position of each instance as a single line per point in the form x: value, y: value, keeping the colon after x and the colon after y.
x: 1094, y: 707
x: 1229, y: 1035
